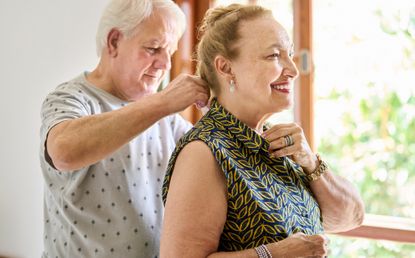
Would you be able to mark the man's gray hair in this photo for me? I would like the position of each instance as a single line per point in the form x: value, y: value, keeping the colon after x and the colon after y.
x: 125, y: 15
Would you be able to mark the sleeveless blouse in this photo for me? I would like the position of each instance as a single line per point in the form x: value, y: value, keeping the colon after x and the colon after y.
x: 269, y: 199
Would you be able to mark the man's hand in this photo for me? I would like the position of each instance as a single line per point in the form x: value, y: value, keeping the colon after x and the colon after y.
x: 184, y: 91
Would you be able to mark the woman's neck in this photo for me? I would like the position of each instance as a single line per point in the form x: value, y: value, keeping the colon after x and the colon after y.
x: 247, y: 114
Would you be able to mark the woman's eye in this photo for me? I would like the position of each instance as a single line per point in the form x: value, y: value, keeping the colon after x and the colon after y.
x: 275, y: 55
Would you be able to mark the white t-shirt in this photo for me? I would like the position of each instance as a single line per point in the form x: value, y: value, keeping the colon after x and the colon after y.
x: 112, y: 208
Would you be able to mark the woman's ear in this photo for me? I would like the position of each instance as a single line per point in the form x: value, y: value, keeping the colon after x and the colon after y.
x: 113, y: 39
x: 223, y: 67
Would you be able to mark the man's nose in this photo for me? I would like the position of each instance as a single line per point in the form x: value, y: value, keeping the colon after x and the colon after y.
x: 163, y: 61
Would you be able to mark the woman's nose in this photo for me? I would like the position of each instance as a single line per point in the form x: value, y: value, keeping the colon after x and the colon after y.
x: 290, y: 69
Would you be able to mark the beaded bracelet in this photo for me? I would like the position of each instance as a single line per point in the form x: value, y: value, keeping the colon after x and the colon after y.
x: 263, y: 252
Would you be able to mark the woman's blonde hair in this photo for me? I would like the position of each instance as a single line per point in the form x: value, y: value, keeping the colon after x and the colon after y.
x: 218, y: 35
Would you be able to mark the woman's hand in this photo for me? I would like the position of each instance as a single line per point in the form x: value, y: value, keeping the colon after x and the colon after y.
x: 300, y: 245
x: 289, y: 140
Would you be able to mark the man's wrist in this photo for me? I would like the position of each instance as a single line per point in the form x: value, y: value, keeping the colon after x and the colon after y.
x: 164, y: 105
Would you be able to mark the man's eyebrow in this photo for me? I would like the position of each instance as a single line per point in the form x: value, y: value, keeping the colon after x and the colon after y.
x: 152, y: 41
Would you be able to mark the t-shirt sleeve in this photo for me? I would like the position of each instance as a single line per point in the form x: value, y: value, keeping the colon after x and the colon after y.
x: 64, y: 103
x: 180, y: 126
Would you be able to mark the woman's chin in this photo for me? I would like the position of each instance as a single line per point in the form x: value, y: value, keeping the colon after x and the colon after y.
x: 281, y: 108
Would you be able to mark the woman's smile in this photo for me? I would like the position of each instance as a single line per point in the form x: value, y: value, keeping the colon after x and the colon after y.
x: 283, y: 87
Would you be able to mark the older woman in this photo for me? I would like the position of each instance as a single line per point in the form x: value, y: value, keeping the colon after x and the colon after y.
x: 233, y: 190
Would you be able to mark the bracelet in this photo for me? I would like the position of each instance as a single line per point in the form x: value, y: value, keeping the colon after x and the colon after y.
x: 319, y: 171
x: 263, y: 252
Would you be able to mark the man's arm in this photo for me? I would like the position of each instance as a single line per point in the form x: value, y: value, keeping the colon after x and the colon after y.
x: 77, y: 143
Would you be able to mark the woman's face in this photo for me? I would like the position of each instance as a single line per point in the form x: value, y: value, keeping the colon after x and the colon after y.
x: 143, y: 60
x: 264, y: 70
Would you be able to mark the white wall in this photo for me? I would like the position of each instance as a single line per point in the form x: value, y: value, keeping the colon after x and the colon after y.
x: 42, y: 43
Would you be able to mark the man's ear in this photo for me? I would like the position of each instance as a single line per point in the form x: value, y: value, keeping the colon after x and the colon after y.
x: 113, y: 39
x: 223, y: 67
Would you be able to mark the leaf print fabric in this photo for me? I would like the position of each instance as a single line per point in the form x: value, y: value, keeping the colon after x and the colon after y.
x: 268, y: 198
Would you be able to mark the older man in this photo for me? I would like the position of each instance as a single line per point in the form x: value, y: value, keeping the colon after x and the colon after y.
x: 106, y: 136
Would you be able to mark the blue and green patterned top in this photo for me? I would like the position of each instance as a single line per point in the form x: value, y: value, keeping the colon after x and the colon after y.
x: 268, y: 198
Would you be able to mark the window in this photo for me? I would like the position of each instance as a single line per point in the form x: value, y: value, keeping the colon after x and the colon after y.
x: 365, y: 105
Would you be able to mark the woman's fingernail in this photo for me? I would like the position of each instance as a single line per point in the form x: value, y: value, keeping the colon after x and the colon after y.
x: 200, y: 104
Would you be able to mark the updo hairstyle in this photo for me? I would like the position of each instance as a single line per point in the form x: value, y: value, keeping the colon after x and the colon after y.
x: 218, y: 35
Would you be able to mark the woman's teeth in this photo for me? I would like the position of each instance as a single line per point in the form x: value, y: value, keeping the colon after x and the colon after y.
x: 281, y: 87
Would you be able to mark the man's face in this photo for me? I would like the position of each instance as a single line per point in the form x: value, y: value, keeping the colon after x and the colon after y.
x: 142, y: 61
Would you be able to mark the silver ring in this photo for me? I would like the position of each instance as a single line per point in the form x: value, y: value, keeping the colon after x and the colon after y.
x: 288, y: 140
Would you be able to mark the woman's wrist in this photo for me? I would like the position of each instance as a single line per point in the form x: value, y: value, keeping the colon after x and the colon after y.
x: 314, y: 163
x: 263, y: 252
x: 278, y: 249
x: 319, y: 170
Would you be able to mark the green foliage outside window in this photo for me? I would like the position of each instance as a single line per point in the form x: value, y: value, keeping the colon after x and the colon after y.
x: 376, y: 146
